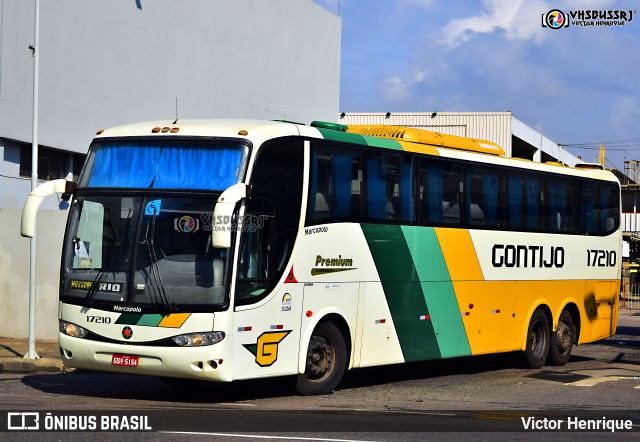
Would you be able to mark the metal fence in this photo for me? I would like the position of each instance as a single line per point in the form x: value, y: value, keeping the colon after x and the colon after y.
x: 630, y: 296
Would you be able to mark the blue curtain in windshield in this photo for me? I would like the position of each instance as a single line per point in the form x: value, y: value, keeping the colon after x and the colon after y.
x: 124, y: 166
x: 341, y: 166
x: 197, y: 168
x: 165, y: 166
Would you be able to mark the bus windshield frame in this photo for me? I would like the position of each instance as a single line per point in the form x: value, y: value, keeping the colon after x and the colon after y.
x: 146, y: 249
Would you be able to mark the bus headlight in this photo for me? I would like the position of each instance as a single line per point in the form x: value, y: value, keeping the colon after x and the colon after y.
x: 198, y: 339
x: 70, y: 329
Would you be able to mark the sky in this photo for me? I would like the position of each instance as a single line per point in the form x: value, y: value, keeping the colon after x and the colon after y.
x: 576, y: 85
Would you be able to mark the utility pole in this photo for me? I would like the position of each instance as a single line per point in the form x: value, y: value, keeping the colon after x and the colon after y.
x: 31, y: 352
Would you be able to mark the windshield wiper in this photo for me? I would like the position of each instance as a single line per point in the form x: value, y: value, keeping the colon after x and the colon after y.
x: 155, y: 271
x: 94, y: 288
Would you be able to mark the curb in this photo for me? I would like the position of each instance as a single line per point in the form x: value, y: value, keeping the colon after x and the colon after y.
x: 49, y: 365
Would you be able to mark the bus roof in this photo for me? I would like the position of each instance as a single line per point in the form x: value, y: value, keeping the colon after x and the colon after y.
x: 377, y: 136
x: 427, y: 137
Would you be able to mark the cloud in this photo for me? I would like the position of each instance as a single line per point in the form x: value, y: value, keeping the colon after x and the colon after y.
x: 396, y: 88
x: 518, y: 19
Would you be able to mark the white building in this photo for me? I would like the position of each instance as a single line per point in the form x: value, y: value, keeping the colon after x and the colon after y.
x: 516, y: 138
x: 105, y: 63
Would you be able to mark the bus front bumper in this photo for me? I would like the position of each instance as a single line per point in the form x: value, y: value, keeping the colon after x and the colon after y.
x: 200, y: 363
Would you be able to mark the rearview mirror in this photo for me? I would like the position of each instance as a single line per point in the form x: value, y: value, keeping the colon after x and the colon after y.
x: 222, y: 213
x: 35, y: 198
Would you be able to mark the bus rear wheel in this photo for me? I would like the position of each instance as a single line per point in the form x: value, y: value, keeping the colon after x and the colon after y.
x: 326, y: 361
x: 538, y: 337
x: 562, y: 340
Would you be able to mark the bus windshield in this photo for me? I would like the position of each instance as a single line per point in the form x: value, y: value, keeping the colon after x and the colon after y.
x: 144, y: 250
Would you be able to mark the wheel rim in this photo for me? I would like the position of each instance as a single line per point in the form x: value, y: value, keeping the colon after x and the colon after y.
x: 537, y: 339
x: 320, y: 359
x: 563, y: 336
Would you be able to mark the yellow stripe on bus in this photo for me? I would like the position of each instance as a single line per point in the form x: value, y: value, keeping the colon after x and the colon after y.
x: 459, y: 254
x: 174, y: 320
x: 418, y: 148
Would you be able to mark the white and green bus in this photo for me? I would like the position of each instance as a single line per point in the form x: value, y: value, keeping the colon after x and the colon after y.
x: 233, y: 249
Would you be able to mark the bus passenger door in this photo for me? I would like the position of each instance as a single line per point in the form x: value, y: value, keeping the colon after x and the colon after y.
x: 266, y: 320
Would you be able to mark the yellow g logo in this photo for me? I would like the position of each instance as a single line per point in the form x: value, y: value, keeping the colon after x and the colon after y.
x: 266, y: 349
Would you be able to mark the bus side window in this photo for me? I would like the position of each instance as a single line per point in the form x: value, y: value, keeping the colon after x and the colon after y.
x: 515, y: 202
x: 589, y: 216
x: 453, y: 195
x: 256, y: 260
x: 532, y: 207
x: 335, y: 184
x: 609, y: 208
x: 485, y: 197
x: 560, y: 205
x: 277, y: 174
x: 430, y: 200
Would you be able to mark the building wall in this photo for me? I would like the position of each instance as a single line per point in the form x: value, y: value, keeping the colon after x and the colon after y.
x: 14, y: 274
x: 490, y: 126
x: 105, y: 63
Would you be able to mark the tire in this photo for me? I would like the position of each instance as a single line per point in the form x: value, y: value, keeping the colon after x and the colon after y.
x: 562, y: 340
x: 538, y: 340
x: 326, y: 361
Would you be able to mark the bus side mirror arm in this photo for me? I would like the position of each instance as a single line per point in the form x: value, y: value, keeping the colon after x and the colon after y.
x: 222, y: 213
x: 35, y: 198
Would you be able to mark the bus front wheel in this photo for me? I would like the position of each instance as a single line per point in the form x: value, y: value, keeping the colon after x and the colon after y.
x: 562, y: 340
x: 538, y: 337
x: 326, y: 361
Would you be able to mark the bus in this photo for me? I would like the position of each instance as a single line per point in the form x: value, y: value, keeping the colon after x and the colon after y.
x: 222, y: 250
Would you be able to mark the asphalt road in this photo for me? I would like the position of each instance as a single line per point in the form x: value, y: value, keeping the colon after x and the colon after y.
x: 489, y: 396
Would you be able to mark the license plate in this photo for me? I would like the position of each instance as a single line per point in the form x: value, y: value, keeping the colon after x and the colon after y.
x: 124, y: 360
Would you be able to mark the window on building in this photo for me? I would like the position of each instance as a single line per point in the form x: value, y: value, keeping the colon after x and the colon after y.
x: 52, y: 163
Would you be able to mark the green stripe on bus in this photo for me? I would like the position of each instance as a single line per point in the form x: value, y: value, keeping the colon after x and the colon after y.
x: 403, y: 291
x: 438, y: 289
x: 150, y: 320
x: 345, y: 137
x: 382, y: 142
x: 129, y: 318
